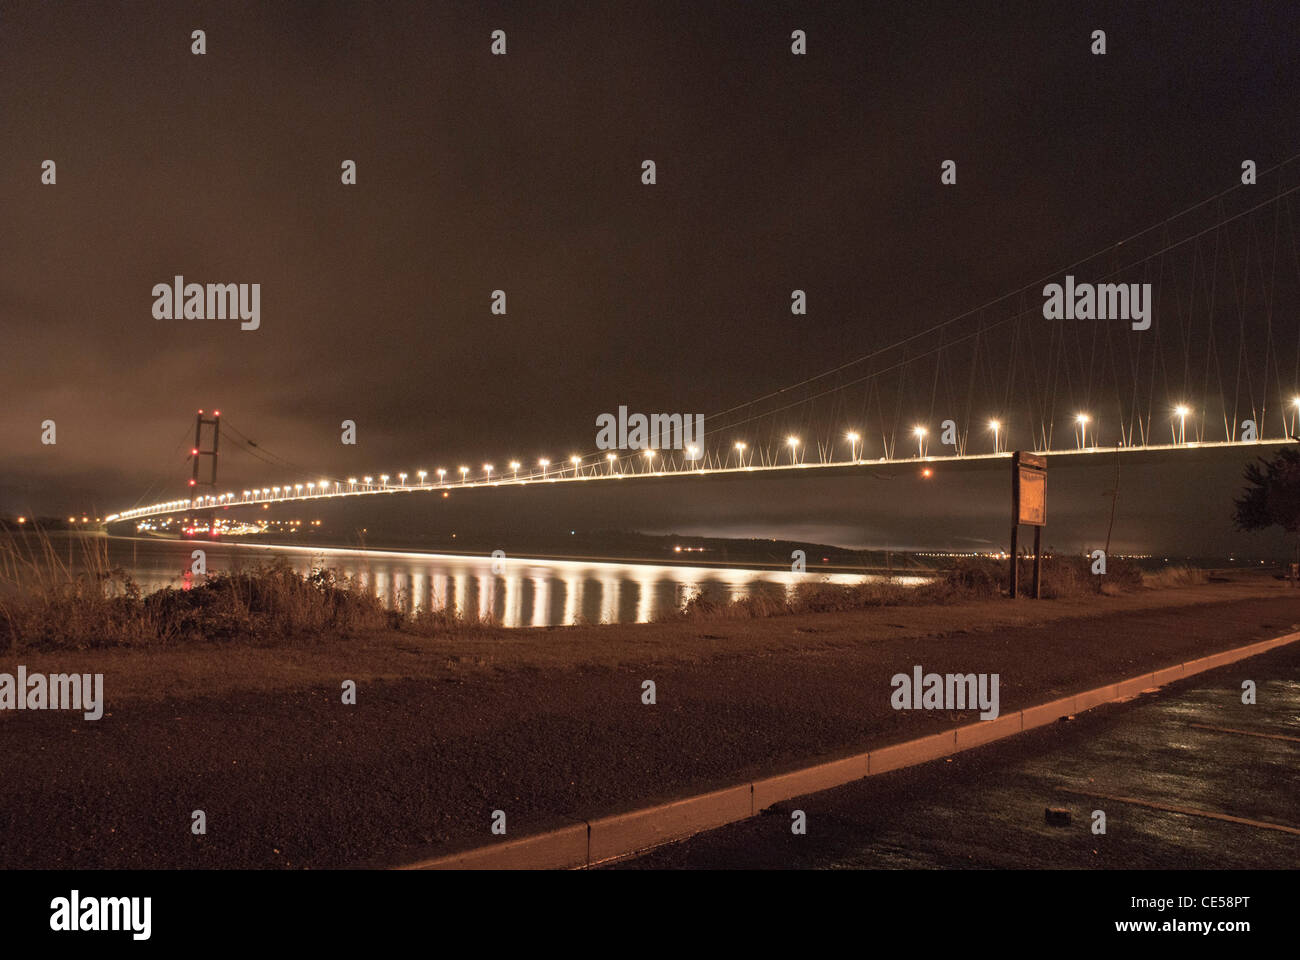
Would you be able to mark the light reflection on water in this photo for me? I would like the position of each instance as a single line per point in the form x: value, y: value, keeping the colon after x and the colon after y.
x: 526, y: 592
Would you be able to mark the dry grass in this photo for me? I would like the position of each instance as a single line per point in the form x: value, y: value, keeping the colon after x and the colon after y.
x: 1175, y: 577
x: 48, y: 602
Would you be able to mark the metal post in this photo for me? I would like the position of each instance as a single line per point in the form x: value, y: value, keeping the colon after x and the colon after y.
x: 1015, y: 572
x: 1038, y: 562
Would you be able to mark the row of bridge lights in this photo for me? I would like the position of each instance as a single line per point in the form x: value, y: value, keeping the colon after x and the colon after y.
x: 1180, y: 411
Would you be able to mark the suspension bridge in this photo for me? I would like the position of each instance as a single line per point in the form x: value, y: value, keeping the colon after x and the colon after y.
x: 1218, y: 366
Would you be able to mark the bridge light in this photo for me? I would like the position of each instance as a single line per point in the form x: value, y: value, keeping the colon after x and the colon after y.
x: 611, y: 458
x: 740, y: 451
x: 383, y: 479
x: 352, y: 481
x: 543, y: 463
x: 422, y: 474
x: 996, y: 427
x: 297, y: 488
x: 488, y: 468
x: 514, y: 467
x: 463, y: 471
x: 441, y: 473
x: 919, y: 433
x: 402, y: 477
x: 311, y: 487
x: 1083, y: 420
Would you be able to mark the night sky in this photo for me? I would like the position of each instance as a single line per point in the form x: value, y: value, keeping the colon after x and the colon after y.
x: 522, y: 172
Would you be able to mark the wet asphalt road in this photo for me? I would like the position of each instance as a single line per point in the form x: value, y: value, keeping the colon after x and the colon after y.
x: 1159, y: 766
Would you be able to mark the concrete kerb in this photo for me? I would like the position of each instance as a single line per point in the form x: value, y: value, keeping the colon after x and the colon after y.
x: 1045, y: 713
x: 986, y: 731
x: 824, y: 776
x: 625, y: 834
x: 556, y: 849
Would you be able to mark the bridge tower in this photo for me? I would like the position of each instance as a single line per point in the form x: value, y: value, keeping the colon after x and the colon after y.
x: 198, y: 453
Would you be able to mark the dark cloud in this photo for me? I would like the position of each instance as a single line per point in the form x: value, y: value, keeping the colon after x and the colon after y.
x: 522, y: 173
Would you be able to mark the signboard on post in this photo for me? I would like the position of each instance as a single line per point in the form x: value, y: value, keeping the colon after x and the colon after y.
x: 1029, y: 491
x: 1028, y: 506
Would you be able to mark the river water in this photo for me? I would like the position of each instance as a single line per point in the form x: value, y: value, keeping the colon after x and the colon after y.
x: 519, y: 593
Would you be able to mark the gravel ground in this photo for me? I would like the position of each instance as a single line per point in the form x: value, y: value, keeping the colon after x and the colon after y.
x: 289, y: 777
